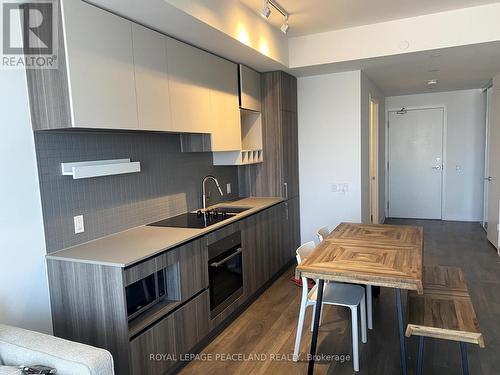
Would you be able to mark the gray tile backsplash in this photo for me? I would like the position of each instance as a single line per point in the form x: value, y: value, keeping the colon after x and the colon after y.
x: 169, y: 183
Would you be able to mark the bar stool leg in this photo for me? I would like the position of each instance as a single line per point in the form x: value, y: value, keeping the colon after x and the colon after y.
x: 420, y: 360
x: 465, y: 362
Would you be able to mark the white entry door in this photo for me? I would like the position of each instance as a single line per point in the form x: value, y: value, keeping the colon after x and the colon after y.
x: 415, y: 169
x: 494, y: 165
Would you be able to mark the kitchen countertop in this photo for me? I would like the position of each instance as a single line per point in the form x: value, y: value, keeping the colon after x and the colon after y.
x: 125, y: 248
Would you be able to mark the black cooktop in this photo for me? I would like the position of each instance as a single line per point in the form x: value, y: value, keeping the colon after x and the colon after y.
x: 193, y: 220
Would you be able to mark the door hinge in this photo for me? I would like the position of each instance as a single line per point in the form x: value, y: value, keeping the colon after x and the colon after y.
x: 387, y: 205
x: 387, y: 165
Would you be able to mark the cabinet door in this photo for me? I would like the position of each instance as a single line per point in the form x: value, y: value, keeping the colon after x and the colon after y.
x: 172, y: 337
x: 100, y: 67
x: 263, y: 243
x: 250, y: 89
x: 291, y: 229
x: 290, y: 151
x: 225, y: 111
x: 288, y: 92
x: 189, y: 87
x: 151, y: 79
x: 193, y: 268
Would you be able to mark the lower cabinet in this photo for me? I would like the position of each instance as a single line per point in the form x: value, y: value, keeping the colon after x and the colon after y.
x: 153, y: 342
x: 265, y: 243
x: 291, y: 227
x: 169, y: 341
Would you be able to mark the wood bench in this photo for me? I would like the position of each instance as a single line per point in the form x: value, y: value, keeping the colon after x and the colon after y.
x: 444, y: 311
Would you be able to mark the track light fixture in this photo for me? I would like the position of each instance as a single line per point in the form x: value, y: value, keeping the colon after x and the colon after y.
x: 285, y: 26
x: 266, y: 12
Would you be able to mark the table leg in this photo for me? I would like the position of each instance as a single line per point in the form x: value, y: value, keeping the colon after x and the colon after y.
x: 465, y: 362
x: 402, y: 349
x: 317, y: 315
x: 420, y: 361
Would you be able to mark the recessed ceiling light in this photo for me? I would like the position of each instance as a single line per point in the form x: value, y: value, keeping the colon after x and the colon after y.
x: 432, y: 82
x: 266, y: 11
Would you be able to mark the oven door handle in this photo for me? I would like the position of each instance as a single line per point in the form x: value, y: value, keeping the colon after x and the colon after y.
x: 229, y: 257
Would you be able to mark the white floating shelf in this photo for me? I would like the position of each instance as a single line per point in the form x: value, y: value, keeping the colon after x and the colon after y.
x: 99, y: 168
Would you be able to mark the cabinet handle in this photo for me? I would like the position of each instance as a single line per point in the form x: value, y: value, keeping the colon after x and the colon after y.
x: 285, y: 185
x: 218, y: 264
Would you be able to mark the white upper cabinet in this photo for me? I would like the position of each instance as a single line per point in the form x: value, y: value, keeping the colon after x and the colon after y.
x: 189, y: 87
x: 249, y: 89
x: 151, y: 79
x: 224, y: 104
x: 100, y: 67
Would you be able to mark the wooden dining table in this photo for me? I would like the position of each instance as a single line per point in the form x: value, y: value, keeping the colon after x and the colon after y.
x: 371, y: 254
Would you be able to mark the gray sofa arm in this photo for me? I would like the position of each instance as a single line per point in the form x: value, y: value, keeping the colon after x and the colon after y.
x: 22, y: 347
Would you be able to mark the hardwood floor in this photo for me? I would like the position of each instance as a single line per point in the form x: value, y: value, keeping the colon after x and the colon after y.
x: 268, y: 326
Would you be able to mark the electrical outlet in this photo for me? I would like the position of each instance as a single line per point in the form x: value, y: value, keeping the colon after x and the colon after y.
x: 340, y: 188
x: 228, y: 188
x: 79, y: 227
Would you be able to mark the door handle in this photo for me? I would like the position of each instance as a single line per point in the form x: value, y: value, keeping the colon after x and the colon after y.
x: 436, y: 167
x: 489, y: 178
x: 285, y: 186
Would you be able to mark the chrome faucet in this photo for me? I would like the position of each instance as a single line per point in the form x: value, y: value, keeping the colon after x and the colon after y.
x: 203, y: 189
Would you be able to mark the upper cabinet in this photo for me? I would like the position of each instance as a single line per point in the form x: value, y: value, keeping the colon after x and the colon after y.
x: 225, y: 114
x: 151, y: 79
x: 189, y: 87
x: 249, y: 89
x: 116, y: 74
x: 100, y: 67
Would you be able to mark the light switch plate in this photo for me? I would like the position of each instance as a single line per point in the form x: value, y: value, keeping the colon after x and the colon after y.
x: 228, y: 188
x: 79, y: 227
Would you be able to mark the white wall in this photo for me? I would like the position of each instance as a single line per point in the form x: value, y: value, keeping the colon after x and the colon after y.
x: 464, y: 148
x: 329, y: 150
x: 24, y: 298
x: 369, y: 90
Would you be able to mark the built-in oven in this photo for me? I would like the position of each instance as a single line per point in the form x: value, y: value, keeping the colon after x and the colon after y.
x: 145, y: 293
x: 225, y: 270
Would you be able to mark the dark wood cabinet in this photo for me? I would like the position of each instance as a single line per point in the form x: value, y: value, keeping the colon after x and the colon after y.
x: 290, y: 154
x: 264, y: 242
x: 278, y: 175
x: 171, y: 338
x: 95, y: 295
x: 291, y: 227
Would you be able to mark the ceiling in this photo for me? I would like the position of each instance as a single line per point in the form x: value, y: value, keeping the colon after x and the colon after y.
x: 313, y: 16
x: 457, y: 68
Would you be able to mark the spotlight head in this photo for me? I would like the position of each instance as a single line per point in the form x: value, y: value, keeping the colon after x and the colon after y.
x: 285, y: 27
x: 266, y: 11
